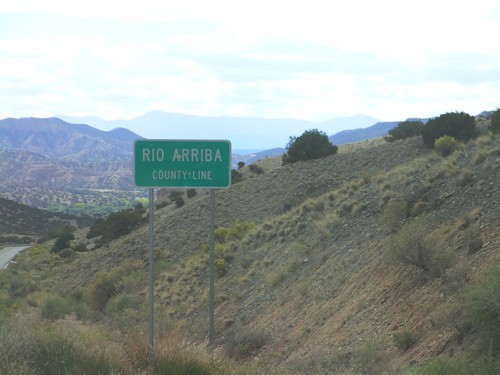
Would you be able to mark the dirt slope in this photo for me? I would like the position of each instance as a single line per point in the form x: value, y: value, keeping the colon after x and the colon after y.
x: 312, y: 286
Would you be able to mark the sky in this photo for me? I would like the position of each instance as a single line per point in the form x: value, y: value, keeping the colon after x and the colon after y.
x: 310, y: 60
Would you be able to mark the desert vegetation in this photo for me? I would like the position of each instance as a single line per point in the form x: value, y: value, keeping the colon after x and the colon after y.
x: 380, y: 259
x: 312, y: 144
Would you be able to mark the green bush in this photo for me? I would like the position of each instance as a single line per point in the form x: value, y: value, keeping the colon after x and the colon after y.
x: 411, y: 246
x: 236, y: 176
x: 458, y: 125
x: 395, y: 211
x: 368, y: 358
x: 66, y: 253
x: 404, y: 340
x: 120, y: 302
x: 244, y: 344
x: 405, y: 129
x: 57, y: 232
x: 255, y: 169
x: 445, y: 145
x: 176, y: 198
x: 62, y: 242
x: 117, y: 224
x: 312, y: 144
x: 495, y: 121
x: 18, y: 287
x: 482, y: 308
x: 54, y: 307
x: 221, y: 267
x: 101, y: 291
x: 80, y: 247
x: 236, y: 232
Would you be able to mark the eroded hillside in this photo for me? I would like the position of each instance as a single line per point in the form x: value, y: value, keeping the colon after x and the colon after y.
x: 315, y: 279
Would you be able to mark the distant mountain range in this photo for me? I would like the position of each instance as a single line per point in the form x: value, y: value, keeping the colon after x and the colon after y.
x: 243, y: 132
x: 55, y: 138
x: 379, y: 129
x: 51, y: 163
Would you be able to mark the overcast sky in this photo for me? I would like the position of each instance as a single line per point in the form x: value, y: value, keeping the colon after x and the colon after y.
x: 304, y: 59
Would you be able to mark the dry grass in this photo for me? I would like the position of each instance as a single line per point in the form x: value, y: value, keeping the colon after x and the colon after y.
x: 313, y: 275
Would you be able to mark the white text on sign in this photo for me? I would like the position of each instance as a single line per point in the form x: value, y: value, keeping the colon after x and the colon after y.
x: 182, y: 175
x: 182, y: 155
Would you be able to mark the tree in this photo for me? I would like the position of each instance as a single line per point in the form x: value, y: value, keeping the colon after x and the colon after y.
x: 458, y: 125
x: 312, y: 144
x: 62, y: 242
x: 405, y: 129
x: 241, y: 164
x: 495, y: 121
x: 236, y: 176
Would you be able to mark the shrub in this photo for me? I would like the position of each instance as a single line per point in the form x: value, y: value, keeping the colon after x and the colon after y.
x: 255, y: 169
x: 405, y: 129
x: 445, y: 145
x: 367, y: 359
x: 483, y: 312
x: 236, y: 176
x: 395, y: 212
x: 312, y: 144
x: 245, y: 344
x: 404, y: 340
x: 236, y: 232
x: 458, y: 125
x: 101, y: 291
x: 191, y: 193
x: 117, y: 224
x: 411, y: 246
x: 495, y: 121
x: 475, y: 244
x: 57, y: 232
x: 161, y: 204
x: 54, y: 307
x: 221, y: 267
x: 62, y: 242
x: 66, y: 253
x: 18, y: 287
x: 464, y: 178
x: 80, y: 247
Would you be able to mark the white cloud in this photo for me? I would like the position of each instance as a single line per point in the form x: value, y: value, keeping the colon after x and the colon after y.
x: 306, y: 59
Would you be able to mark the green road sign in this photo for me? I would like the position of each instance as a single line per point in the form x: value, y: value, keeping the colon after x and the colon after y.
x: 182, y: 163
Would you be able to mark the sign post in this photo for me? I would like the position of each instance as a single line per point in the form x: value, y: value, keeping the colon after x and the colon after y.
x: 182, y: 164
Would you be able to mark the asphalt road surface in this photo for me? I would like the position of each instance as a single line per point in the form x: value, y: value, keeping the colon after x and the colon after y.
x: 8, y: 253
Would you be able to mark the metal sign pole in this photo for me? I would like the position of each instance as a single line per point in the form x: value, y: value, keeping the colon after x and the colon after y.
x: 211, y: 319
x: 182, y: 163
x: 151, y: 276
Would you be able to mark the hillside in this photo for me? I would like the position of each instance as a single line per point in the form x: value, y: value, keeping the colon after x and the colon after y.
x: 51, y: 164
x: 20, y: 220
x: 67, y: 142
x: 309, y: 280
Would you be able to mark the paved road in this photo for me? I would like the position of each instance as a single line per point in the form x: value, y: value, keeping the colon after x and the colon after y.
x: 9, y: 252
